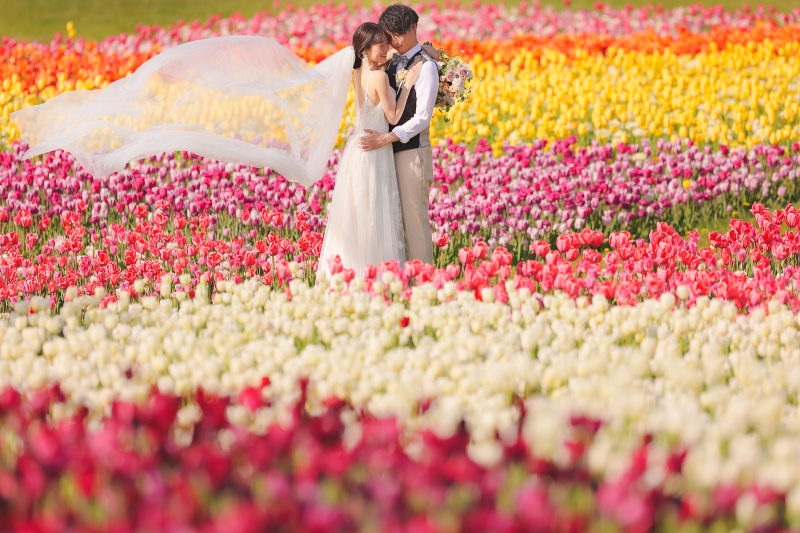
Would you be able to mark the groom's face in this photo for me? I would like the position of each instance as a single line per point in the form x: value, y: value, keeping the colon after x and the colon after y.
x: 403, y: 42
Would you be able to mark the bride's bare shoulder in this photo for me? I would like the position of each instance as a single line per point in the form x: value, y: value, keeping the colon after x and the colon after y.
x: 380, y: 76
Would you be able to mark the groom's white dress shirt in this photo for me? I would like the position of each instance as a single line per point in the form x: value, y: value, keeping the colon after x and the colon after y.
x: 427, y: 87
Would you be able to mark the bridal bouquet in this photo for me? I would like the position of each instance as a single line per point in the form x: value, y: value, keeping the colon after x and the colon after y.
x: 453, y: 77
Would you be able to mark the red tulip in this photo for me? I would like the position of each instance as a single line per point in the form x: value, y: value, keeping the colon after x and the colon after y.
x: 452, y: 271
x: 282, y: 270
x: 335, y: 264
x: 250, y: 397
x: 563, y: 243
x: 442, y: 240
x: 23, y: 218
x: 479, y: 250
x: 619, y: 239
x: 502, y: 256
x: 540, y: 248
x: 465, y: 256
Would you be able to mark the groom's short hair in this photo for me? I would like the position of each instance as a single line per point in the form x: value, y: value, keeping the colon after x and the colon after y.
x: 398, y: 19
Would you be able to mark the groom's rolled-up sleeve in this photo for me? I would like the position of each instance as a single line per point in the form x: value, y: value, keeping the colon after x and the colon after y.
x: 427, y: 87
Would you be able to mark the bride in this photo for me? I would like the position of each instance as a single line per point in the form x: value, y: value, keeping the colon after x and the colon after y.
x: 248, y: 100
x: 365, y: 225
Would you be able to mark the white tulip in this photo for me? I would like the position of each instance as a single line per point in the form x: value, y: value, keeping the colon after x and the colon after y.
x: 71, y: 293
x: 683, y: 292
x: 696, y: 376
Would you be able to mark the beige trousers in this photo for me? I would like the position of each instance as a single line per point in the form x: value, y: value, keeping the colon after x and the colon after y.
x: 414, y: 178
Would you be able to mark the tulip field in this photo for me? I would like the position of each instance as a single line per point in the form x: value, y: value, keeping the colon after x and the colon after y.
x: 608, y: 339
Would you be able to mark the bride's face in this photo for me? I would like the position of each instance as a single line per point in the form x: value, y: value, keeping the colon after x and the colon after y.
x: 377, y: 52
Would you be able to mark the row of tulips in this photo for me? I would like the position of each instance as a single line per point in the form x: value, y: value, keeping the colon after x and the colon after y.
x: 541, y: 191
x: 321, y: 24
x: 181, y: 214
x: 738, y: 96
x: 44, y: 69
x: 158, y: 466
x: 334, y: 24
x: 741, y: 94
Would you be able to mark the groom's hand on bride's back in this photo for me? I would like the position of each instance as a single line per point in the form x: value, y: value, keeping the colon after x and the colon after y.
x: 376, y: 140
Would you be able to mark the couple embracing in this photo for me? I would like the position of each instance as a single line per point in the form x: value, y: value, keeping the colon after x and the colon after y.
x: 380, y: 201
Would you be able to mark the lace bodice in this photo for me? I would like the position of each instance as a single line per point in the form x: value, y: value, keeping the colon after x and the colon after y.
x: 368, y: 115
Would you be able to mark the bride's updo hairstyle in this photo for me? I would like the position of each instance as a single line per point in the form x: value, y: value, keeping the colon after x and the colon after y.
x: 365, y: 36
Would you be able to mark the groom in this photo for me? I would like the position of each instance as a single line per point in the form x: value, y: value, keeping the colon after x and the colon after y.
x: 410, y: 136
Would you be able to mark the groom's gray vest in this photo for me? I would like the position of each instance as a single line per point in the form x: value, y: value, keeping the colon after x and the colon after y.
x: 422, y: 138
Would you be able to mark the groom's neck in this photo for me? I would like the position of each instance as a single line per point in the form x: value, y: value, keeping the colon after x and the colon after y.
x: 412, y: 45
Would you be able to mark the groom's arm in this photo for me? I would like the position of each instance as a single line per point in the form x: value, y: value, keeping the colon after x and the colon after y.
x: 376, y: 140
x: 427, y: 87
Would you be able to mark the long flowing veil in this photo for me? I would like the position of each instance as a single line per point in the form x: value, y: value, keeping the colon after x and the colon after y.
x: 242, y: 99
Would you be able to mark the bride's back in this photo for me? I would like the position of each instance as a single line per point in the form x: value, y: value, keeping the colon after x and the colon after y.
x: 369, y: 114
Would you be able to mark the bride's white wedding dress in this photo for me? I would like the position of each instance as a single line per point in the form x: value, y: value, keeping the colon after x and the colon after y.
x: 365, y: 224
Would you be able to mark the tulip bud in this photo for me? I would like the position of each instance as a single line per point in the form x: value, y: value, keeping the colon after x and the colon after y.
x: 22, y: 307
x: 185, y: 279
x: 53, y: 325
x: 165, y: 290
x: 40, y: 304
x: 71, y: 293
x: 450, y: 289
x: 357, y: 285
x: 510, y: 286
x: 111, y: 321
x: 138, y: 286
x: 667, y: 301
x: 165, y: 385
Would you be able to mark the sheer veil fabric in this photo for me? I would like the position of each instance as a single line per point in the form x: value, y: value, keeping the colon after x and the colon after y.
x: 242, y: 99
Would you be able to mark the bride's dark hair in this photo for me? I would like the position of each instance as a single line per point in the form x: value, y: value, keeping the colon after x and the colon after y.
x: 365, y: 36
